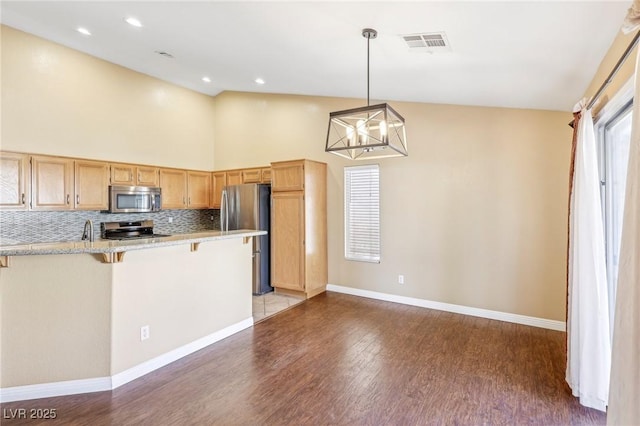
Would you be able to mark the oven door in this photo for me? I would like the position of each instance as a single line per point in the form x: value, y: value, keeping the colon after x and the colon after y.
x: 133, y: 199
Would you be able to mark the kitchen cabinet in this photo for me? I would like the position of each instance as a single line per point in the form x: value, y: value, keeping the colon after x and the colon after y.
x: 91, y: 185
x: 174, y: 188
x: 265, y: 175
x: 299, y: 227
x: 14, y: 181
x: 51, y: 183
x: 251, y: 175
x: 234, y: 177
x: 134, y: 175
x: 218, y: 182
x: 198, y: 189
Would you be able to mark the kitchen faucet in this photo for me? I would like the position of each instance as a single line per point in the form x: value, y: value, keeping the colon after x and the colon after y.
x: 88, y: 230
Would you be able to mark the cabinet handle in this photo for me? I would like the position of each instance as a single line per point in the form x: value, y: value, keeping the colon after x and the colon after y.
x: 139, y: 178
x: 78, y: 199
x: 23, y: 198
x: 183, y: 201
x: 68, y: 198
x: 130, y: 176
x: 189, y: 200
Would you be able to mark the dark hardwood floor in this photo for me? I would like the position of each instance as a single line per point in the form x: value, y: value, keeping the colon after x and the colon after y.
x: 338, y: 359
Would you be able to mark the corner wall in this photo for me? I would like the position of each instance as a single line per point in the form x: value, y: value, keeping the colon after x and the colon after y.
x: 475, y: 216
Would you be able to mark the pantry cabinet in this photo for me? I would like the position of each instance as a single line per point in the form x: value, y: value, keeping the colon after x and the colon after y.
x: 299, y: 227
x: 14, y: 181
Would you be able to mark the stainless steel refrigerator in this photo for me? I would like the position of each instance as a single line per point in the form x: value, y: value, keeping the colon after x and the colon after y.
x: 248, y: 206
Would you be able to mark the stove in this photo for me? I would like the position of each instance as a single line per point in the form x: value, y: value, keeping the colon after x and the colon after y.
x: 128, y: 230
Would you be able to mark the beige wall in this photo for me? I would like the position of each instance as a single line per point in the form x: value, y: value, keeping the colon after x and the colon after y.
x: 56, y: 100
x: 181, y: 295
x: 56, y: 319
x: 475, y: 216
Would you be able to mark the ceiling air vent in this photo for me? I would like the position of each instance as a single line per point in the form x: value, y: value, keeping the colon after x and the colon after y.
x: 427, y: 42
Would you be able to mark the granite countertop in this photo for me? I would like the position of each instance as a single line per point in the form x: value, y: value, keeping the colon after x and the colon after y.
x: 118, y: 246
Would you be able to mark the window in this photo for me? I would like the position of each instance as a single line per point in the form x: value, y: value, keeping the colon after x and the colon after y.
x: 362, y: 213
x: 614, y: 137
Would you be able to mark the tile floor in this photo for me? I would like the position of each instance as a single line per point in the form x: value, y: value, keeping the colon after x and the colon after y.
x: 270, y: 304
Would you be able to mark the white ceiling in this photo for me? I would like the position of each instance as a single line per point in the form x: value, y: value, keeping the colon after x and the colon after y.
x: 536, y: 54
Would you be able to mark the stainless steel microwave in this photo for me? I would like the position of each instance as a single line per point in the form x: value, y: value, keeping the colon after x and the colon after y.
x: 134, y: 199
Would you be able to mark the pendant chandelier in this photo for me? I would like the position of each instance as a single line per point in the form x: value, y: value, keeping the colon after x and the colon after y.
x: 373, y: 131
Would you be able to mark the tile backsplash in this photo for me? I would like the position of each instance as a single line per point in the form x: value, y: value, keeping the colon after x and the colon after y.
x: 34, y: 227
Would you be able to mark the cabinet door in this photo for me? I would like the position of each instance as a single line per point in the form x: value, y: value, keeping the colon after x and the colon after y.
x: 14, y: 181
x: 265, y: 175
x: 251, y: 176
x: 91, y: 185
x: 287, y: 240
x: 234, y: 177
x: 218, y: 182
x: 122, y: 174
x: 199, y: 187
x: 174, y: 188
x: 287, y: 176
x: 147, y: 176
x: 51, y: 183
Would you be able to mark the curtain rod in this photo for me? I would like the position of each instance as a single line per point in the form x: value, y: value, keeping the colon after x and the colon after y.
x: 615, y: 70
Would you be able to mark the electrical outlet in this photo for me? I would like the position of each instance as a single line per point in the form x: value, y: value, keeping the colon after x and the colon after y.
x: 144, y: 333
x: 400, y: 279
x: 170, y: 220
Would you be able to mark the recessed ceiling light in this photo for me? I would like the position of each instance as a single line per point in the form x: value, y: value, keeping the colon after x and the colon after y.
x: 84, y: 31
x: 133, y: 22
x: 259, y: 80
x: 206, y: 79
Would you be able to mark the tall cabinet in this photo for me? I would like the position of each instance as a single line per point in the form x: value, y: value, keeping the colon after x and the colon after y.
x: 299, y: 227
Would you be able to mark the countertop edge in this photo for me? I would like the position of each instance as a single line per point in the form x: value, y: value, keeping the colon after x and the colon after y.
x: 106, y: 246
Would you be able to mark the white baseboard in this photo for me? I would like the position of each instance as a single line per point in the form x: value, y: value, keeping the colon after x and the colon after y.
x: 458, y: 309
x: 100, y: 384
x: 48, y: 390
x: 174, y: 355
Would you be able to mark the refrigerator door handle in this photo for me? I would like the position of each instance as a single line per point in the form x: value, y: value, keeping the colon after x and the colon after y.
x: 224, y: 211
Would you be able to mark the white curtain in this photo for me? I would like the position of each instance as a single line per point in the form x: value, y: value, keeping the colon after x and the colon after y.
x: 588, y: 340
x: 624, y: 406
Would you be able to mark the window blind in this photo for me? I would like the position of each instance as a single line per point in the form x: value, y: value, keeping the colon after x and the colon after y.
x: 362, y: 213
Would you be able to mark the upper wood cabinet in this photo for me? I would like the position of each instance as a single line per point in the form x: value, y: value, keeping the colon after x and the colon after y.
x: 265, y: 175
x: 234, y: 177
x: 218, y: 182
x: 199, y: 190
x: 251, y: 175
x: 134, y: 175
x: 91, y: 185
x: 14, y: 181
x: 288, y: 176
x: 51, y: 183
x: 174, y: 188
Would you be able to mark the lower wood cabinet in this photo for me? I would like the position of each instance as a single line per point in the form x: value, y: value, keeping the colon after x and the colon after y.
x: 287, y: 240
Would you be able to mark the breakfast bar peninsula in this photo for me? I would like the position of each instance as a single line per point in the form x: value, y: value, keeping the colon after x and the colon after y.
x: 90, y: 316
